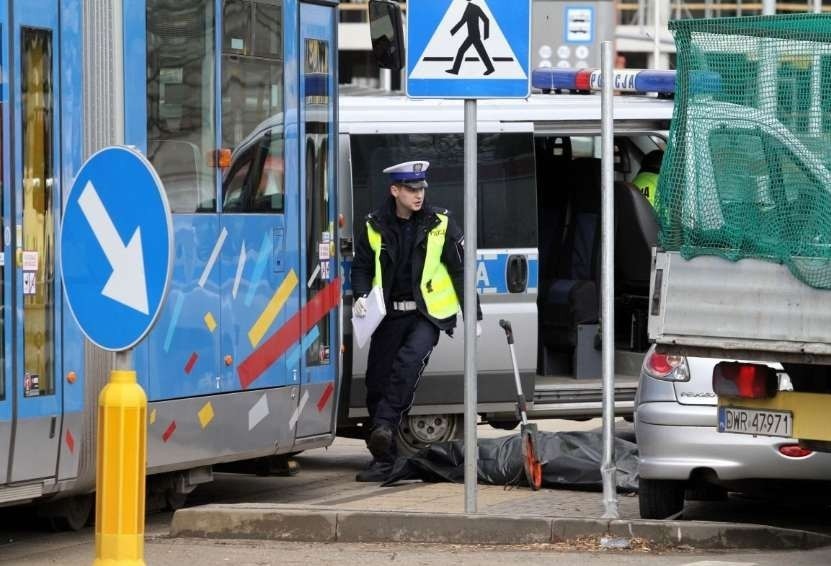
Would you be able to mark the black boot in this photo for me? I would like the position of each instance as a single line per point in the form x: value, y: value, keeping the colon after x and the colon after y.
x: 377, y: 471
x: 380, y: 440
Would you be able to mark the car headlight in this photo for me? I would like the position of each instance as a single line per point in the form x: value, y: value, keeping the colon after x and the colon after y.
x: 667, y: 367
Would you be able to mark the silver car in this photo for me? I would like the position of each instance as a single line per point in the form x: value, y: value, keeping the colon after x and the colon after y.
x: 682, y: 455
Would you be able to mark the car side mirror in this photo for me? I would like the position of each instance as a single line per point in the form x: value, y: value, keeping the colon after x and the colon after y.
x: 387, y: 30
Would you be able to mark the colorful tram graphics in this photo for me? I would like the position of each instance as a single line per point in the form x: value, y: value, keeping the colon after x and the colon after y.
x: 233, y: 102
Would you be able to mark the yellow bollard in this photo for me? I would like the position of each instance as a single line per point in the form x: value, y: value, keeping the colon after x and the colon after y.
x: 122, y: 461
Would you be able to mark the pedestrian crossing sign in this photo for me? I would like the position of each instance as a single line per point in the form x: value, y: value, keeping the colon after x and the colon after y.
x: 468, y: 48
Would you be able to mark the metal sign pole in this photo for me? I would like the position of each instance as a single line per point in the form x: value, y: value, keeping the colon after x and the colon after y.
x: 471, y: 444
x: 607, y: 284
x: 122, y: 404
x: 438, y: 42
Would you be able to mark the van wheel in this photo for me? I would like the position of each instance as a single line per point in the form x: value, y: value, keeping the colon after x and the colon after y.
x: 69, y: 514
x: 659, y: 499
x: 419, y: 431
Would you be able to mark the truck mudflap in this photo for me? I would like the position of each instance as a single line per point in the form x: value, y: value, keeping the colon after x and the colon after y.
x: 809, y: 413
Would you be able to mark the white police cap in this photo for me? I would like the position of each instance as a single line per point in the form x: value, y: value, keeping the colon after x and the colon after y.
x: 412, y: 173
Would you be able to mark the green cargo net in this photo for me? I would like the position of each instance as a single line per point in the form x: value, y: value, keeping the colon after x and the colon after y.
x: 747, y: 172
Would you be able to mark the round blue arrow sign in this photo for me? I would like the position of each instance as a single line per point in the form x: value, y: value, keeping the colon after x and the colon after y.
x: 116, y: 247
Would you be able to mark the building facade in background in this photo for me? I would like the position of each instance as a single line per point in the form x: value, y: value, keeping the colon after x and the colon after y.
x: 565, y: 33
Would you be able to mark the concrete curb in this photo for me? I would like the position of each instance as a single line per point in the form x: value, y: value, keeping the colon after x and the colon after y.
x: 315, y: 524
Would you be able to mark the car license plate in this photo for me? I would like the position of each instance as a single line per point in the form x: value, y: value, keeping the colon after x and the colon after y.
x: 753, y: 421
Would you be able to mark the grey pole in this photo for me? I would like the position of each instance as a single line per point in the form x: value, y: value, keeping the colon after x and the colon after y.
x: 768, y: 7
x: 471, y: 444
x: 817, y: 6
x: 607, y: 286
x: 123, y: 359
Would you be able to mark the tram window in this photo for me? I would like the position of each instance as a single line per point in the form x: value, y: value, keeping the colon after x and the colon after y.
x: 233, y: 198
x: 506, y: 174
x: 180, y: 100
x: 38, y: 220
x: 268, y: 37
x: 319, y: 228
x: 268, y: 180
x: 252, y: 69
x: 254, y: 182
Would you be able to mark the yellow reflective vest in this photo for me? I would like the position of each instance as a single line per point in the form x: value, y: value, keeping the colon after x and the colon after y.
x: 647, y: 184
x: 436, y: 285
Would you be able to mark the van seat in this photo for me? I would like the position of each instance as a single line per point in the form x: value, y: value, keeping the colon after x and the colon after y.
x: 636, y: 233
x: 570, y: 297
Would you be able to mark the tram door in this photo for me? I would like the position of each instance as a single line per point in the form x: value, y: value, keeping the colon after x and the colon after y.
x: 317, y: 52
x: 31, y: 199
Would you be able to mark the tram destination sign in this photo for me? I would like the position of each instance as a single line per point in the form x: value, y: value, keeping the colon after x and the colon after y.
x: 116, y: 247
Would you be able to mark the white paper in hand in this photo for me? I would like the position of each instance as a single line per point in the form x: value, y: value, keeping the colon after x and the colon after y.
x: 363, y: 327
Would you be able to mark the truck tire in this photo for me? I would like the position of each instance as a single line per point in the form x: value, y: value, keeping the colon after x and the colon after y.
x: 659, y: 499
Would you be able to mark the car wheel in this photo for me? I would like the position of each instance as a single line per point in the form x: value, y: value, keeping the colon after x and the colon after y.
x: 660, y: 499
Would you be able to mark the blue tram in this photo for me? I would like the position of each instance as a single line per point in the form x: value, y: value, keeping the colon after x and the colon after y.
x: 244, y: 360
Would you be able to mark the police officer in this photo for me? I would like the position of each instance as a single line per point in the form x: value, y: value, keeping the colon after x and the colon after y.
x: 647, y: 179
x: 414, y: 252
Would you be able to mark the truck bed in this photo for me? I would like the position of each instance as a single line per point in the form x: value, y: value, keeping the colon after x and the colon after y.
x: 749, y: 309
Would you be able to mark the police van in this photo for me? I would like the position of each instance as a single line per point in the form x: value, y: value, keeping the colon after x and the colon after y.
x: 539, y: 194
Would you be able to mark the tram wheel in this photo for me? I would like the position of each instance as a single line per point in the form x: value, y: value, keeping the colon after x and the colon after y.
x: 69, y: 514
x: 419, y: 431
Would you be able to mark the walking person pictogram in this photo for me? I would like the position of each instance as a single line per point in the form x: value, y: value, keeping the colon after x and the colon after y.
x: 471, y: 17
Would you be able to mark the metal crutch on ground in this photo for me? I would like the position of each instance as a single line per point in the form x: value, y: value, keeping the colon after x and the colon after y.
x: 528, y: 431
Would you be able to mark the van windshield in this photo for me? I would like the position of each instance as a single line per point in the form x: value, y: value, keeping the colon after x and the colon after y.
x: 506, y: 179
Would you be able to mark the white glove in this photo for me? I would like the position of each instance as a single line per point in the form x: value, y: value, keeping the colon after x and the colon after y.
x: 478, y: 329
x: 359, y: 308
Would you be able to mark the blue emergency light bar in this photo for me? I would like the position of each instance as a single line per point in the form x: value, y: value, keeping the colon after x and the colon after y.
x: 585, y: 80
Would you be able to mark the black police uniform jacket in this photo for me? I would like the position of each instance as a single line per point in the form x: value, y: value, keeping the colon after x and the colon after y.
x: 452, y: 256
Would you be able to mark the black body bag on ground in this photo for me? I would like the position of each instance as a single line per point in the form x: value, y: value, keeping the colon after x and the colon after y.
x: 569, y: 460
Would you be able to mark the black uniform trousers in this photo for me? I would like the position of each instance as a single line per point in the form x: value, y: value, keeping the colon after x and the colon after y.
x: 398, y: 354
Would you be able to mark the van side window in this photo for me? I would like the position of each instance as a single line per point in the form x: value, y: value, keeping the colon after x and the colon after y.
x: 506, y: 175
x: 585, y: 146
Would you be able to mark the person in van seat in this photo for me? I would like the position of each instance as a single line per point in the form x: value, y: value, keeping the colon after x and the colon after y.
x: 647, y: 179
x: 415, y: 253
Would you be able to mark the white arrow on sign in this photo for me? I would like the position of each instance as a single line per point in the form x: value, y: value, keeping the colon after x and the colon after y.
x: 127, y: 284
